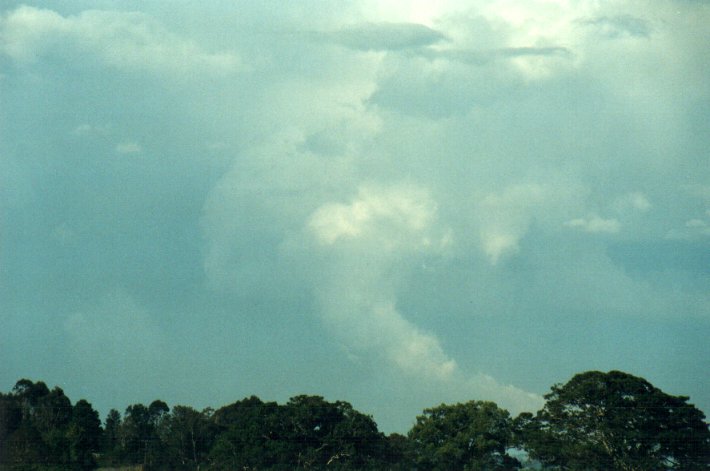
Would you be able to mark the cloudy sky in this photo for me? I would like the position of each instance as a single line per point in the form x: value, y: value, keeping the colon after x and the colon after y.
x: 396, y: 204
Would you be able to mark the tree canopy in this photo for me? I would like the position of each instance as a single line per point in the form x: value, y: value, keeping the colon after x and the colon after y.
x: 40, y: 428
x: 602, y: 421
x: 470, y: 436
x: 596, y: 421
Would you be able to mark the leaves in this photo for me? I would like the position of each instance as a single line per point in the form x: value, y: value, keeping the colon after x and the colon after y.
x: 616, y: 421
x: 474, y: 435
x: 596, y: 421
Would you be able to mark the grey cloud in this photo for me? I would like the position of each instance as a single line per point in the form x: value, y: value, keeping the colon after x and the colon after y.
x: 415, y: 88
x: 450, y: 82
x: 641, y: 257
x: 386, y: 36
x: 481, y: 57
x: 613, y: 27
x: 534, y: 51
x: 126, y: 40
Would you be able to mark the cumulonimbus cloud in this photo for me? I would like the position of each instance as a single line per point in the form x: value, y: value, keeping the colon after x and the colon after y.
x: 368, y: 242
x: 365, y: 239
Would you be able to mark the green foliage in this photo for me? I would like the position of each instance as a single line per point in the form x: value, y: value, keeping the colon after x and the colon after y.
x: 306, y: 433
x: 110, y: 442
x: 250, y: 434
x: 616, y: 421
x: 470, y: 436
x: 39, y: 429
x: 138, y: 436
x: 10, y: 422
x: 187, y: 436
x: 597, y: 421
x: 399, y: 453
x: 84, y: 435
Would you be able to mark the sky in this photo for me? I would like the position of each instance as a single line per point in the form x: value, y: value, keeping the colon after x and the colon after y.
x: 396, y: 204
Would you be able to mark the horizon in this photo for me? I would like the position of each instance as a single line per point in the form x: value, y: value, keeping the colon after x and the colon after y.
x: 216, y: 408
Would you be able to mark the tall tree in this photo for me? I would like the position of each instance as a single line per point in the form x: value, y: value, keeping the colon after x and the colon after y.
x: 84, y: 435
x: 188, y: 436
x: 399, y: 453
x: 333, y: 435
x: 42, y: 435
x: 306, y: 433
x: 470, y: 436
x: 616, y: 421
x: 110, y: 443
x: 52, y: 417
x: 10, y: 422
x: 136, y: 435
x: 250, y: 435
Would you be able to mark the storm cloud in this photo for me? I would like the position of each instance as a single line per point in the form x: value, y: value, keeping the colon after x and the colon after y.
x: 395, y: 204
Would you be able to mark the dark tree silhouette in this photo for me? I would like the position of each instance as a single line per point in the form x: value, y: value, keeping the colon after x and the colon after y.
x: 470, y: 436
x: 616, y: 421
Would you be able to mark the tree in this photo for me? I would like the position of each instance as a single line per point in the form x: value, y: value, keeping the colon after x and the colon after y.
x: 138, y: 437
x: 188, y: 436
x: 250, y: 434
x: 470, y: 436
x: 157, y: 411
x: 84, y: 435
x: 110, y: 443
x: 10, y: 422
x: 306, y: 433
x: 51, y: 418
x: 29, y: 391
x: 333, y: 435
x: 41, y: 437
x: 399, y: 453
x: 616, y: 421
x: 311, y: 422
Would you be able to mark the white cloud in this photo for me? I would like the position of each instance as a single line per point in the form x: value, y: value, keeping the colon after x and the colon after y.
x: 635, y: 200
x: 368, y: 248
x: 595, y: 224
x: 82, y: 129
x: 497, y: 242
x: 394, y: 217
x: 505, y: 216
x: 366, y: 242
x: 640, y: 202
x: 64, y: 234
x: 412, y: 351
x: 537, y: 23
x: 25, y: 31
x: 123, y: 40
x: 128, y: 148
x: 521, y: 123
x: 89, y: 130
x: 697, y: 226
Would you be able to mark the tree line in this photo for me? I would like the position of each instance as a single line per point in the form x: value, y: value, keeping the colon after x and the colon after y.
x: 596, y: 421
